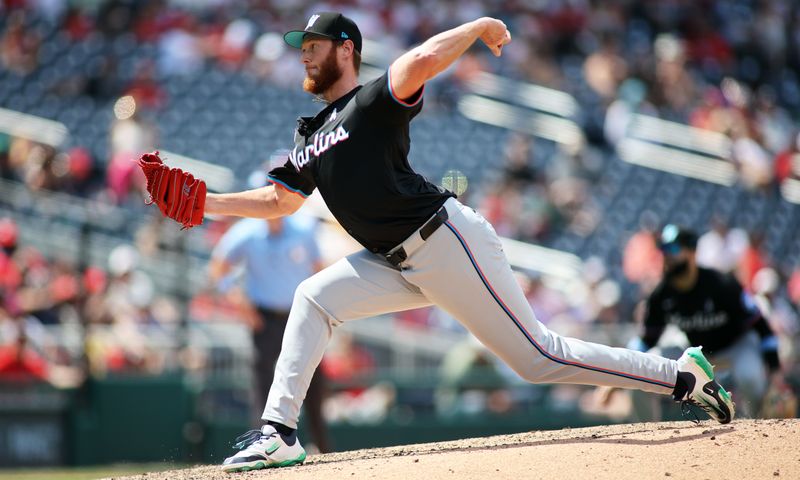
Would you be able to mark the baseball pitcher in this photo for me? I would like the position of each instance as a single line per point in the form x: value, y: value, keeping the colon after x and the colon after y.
x: 421, y: 246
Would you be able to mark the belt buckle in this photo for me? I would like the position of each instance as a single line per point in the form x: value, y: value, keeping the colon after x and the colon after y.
x: 397, y: 257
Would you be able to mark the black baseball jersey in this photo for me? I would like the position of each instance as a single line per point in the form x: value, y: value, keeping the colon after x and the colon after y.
x: 355, y: 152
x: 715, y: 313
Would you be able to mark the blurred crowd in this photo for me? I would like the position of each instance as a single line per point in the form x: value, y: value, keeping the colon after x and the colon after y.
x: 60, y: 321
x: 726, y: 66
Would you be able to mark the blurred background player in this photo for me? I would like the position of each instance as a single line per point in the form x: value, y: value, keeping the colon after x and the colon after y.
x: 714, y: 312
x: 273, y: 256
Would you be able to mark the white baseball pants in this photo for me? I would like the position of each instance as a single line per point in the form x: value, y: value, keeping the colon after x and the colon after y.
x: 462, y: 269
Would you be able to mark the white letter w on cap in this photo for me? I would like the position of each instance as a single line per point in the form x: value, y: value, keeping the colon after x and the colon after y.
x: 311, y: 21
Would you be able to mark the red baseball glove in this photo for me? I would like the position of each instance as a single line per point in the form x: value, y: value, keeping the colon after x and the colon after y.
x: 178, y: 194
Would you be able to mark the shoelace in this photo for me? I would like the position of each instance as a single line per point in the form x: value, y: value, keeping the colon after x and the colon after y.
x: 686, y: 411
x: 248, y: 438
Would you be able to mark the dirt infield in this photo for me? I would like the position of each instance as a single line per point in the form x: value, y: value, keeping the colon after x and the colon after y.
x: 746, y: 449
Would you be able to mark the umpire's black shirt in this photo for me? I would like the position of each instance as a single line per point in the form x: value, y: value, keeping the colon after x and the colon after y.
x: 714, y: 313
x: 356, y: 152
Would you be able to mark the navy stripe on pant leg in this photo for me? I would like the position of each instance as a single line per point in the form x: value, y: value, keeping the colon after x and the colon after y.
x: 527, y: 334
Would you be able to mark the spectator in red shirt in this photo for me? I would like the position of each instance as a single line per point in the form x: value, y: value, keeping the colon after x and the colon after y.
x: 753, y: 260
x: 784, y: 161
x: 10, y: 274
x: 19, y: 362
x: 145, y: 88
x: 642, y: 261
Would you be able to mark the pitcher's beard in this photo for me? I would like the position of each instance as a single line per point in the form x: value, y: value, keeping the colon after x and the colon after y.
x: 329, y: 74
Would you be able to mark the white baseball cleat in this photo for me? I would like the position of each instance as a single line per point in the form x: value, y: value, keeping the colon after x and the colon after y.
x: 701, y: 389
x: 265, y: 448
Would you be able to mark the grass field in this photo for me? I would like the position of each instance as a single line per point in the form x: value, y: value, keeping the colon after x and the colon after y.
x: 84, y: 473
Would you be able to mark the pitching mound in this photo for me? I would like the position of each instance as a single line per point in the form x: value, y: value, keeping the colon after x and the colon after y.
x: 746, y: 449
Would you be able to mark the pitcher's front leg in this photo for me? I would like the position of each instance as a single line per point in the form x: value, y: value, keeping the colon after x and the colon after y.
x: 358, y: 286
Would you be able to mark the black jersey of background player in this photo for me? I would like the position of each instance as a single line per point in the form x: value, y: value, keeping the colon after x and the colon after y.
x: 355, y: 152
x: 714, y: 313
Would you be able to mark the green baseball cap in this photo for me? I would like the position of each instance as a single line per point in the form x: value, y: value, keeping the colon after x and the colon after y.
x: 326, y: 24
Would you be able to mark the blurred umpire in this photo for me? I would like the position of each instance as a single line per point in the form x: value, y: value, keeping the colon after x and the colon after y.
x: 714, y: 312
x: 275, y: 255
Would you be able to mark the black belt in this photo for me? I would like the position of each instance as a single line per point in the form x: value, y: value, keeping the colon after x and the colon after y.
x: 398, y: 256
